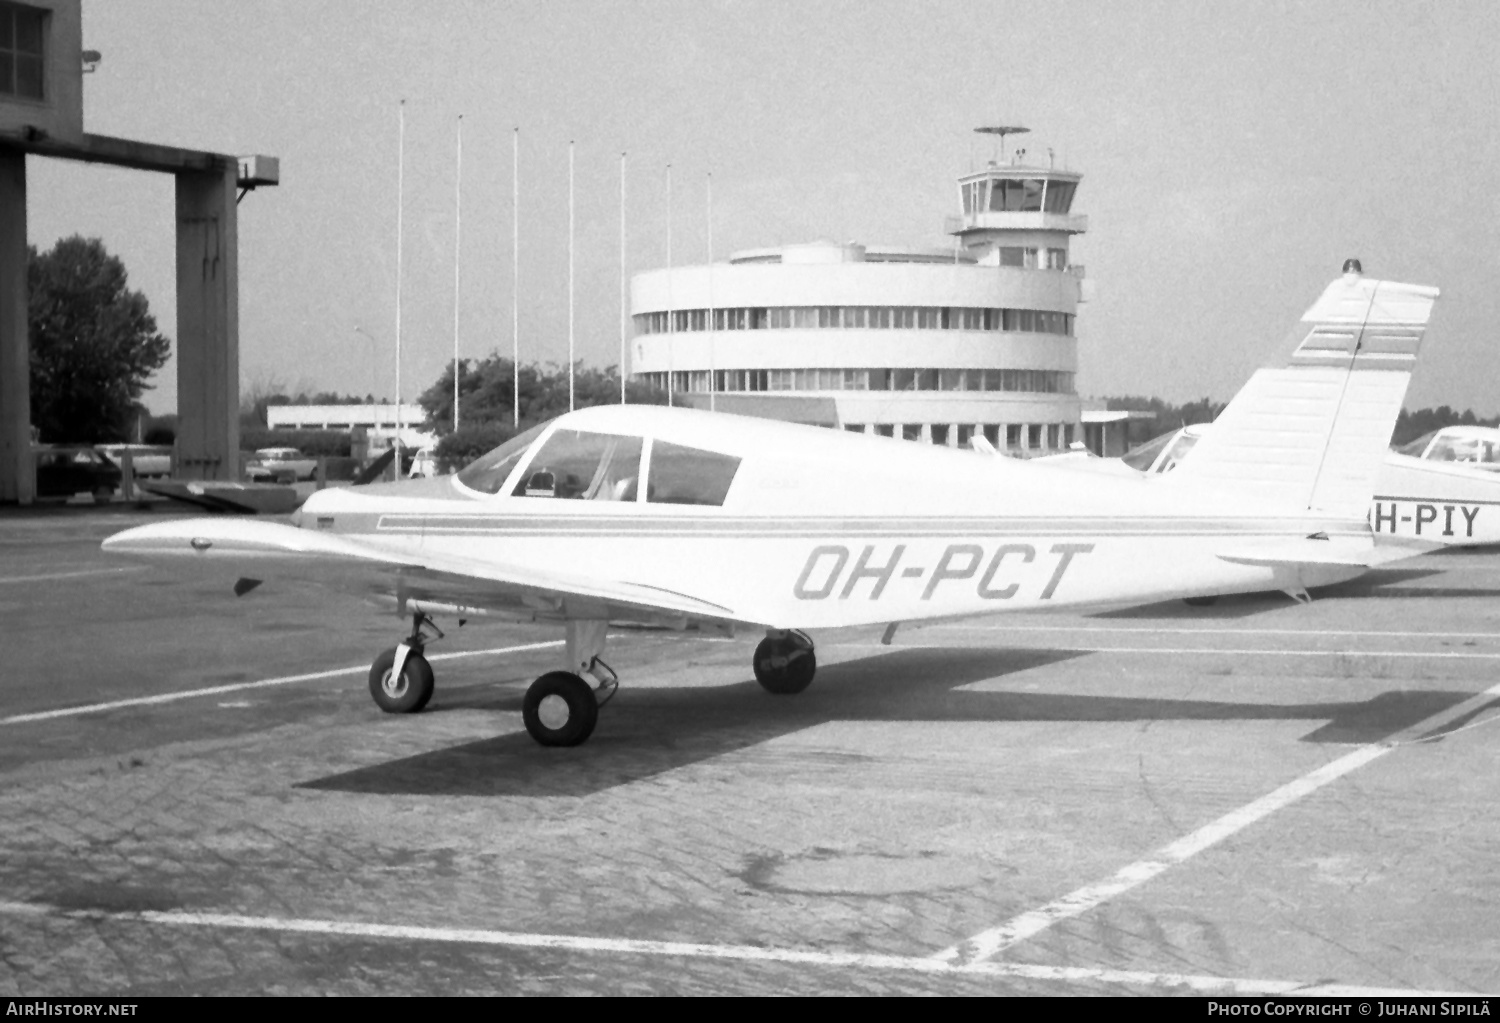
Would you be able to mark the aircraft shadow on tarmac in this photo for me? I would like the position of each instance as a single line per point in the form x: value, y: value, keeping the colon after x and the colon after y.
x: 647, y: 732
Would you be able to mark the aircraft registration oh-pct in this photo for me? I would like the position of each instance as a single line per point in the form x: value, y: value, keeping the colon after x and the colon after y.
x: 691, y: 519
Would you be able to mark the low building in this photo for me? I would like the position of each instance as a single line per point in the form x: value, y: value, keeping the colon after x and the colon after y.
x: 378, y: 421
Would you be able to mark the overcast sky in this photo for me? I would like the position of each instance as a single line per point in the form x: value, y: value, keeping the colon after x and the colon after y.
x: 1233, y: 155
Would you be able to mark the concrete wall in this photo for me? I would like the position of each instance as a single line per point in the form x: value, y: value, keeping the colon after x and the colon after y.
x: 868, y: 284
x: 17, y: 480
x: 60, y: 114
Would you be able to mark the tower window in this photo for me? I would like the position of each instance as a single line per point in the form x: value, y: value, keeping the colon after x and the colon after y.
x: 22, y: 31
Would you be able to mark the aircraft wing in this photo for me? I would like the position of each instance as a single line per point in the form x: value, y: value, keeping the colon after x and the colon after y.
x: 253, y: 551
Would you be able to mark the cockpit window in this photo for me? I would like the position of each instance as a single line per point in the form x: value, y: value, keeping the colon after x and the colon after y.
x: 682, y: 475
x: 580, y: 466
x: 1459, y: 448
x: 487, y: 473
x: 1179, y: 450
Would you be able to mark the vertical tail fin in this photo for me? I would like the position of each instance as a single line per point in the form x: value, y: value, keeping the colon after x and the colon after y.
x: 1309, y: 432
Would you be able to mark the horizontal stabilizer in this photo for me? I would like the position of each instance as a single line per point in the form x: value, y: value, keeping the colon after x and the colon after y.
x: 238, y: 498
x: 1313, y: 552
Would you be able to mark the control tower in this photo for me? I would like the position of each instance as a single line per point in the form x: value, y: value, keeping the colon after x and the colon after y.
x: 1017, y: 212
x: 934, y: 345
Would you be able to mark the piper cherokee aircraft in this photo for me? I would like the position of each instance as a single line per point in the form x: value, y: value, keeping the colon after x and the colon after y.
x: 683, y: 518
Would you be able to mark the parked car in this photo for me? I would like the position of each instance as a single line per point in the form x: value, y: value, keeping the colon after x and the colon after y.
x: 146, y: 460
x: 65, y: 470
x: 281, y: 465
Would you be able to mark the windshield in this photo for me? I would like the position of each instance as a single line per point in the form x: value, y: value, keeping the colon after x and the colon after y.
x: 582, y: 466
x: 1416, y: 447
x: 1144, y: 456
x: 487, y: 473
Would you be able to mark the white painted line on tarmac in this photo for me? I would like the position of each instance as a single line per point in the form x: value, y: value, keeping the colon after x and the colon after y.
x: 989, y: 943
x: 1202, y: 631
x: 235, y: 687
x: 740, y: 953
x: 1416, y: 654
x: 71, y: 575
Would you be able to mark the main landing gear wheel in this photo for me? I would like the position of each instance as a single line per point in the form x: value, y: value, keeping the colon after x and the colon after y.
x: 404, y: 695
x: 785, y: 664
x: 560, y: 709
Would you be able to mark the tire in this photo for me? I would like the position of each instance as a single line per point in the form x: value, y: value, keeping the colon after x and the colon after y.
x: 560, y: 709
x: 790, y: 677
x: 411, y: 693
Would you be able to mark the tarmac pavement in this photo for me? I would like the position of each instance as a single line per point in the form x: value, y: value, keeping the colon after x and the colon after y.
x: 198, y: 796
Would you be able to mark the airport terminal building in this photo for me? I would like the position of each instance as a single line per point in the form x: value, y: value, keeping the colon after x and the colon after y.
x: 933, y: 345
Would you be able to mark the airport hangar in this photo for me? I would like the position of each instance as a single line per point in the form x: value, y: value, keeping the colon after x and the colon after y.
x: 42, y: 63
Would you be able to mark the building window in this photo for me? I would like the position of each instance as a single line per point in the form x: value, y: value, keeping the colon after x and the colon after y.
x: 911, y: 431
x: 940, y: 434
x: 1060, y: 196
x: 965, y: 434
x: 1040, y: 321
x: 885, y: 429
x: 1034, y: 381
x: 22, y: 33
x: 1034, y: 436
x: 1013, y: 435
x: 992, y: 434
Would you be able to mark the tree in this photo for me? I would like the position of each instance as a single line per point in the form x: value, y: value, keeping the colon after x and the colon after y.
x: 94, y: 343
x: 487, y: 392
x: 1167, y: 417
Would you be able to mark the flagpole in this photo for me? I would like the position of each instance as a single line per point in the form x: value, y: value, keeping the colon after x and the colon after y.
x: 400, y: 197
x: 671, y: 326
x: 623, y: 310
x: 458, y: 226
x: 515, y: 277
x: 711, y: 332
x: 570, y: 276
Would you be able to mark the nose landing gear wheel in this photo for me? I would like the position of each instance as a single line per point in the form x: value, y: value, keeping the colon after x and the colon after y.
x: 784, y: 665
x: 407, y: 694
x: 560, y: 709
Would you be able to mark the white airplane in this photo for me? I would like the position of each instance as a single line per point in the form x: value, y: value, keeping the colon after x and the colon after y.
x: 676, y: 517
x: 1433, y: 495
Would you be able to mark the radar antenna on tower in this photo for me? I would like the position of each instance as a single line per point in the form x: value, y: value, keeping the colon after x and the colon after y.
x: 1002, y: 131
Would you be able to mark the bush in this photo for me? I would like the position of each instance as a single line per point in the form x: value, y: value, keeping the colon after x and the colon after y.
x: 310, y: 442
x: 160, y: 430
x: 467, y: 443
